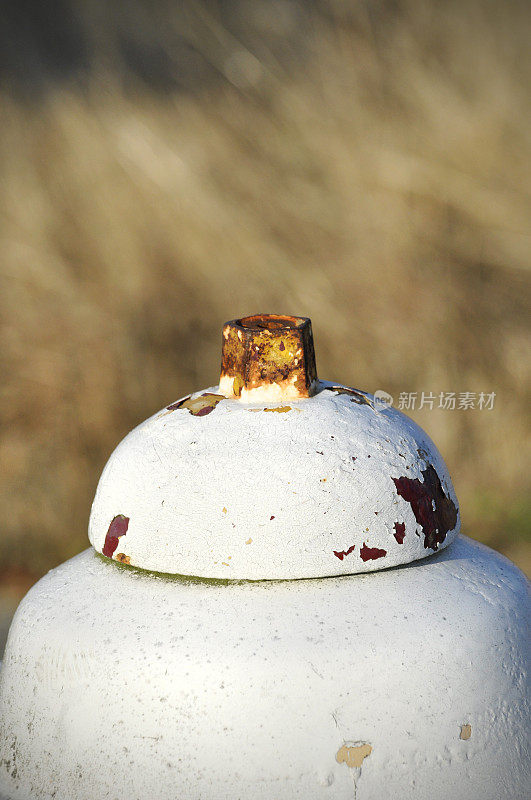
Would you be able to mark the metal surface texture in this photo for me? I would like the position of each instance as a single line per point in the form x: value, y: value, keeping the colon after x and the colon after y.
x: 268, y: 357
x: 405, y: 683
x: 273, y: 473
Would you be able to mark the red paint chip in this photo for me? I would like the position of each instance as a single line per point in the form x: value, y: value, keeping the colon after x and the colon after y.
x: 342, y: 553
x: 400, y: 532
x: 434, y: 511
x: 117, y: 529
x: 371, y: 553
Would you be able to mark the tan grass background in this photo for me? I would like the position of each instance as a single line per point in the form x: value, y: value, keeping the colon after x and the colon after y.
x: 373, y: 175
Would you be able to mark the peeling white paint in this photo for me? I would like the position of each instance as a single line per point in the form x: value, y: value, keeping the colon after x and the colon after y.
x: 323, y: 468
x: 120, y: 684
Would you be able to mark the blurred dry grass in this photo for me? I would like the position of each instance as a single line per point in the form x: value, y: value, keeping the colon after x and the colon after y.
x: 376, y: 180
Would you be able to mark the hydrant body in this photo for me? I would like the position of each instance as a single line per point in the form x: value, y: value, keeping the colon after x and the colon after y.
x: 234, y: 633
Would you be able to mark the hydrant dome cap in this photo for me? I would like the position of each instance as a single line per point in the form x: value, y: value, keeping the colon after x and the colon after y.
x: 273, y: 474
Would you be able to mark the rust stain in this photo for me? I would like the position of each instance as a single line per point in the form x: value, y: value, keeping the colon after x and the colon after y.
x: 371, y: 553
x: 466, y: 732
x: 400, y: 532
x: 354, y: 755
x: 224, y: 510
x: 237, y: 386
x: 259, y: 350
x: 435, y: 512
x: 279, y: 409
x: 123, y: 558
x: 178, y: 403
x: 248, y: 541
x: 342, y: 553
x: 117, y: 529
x: 198, y: 406
x: 204, y: 404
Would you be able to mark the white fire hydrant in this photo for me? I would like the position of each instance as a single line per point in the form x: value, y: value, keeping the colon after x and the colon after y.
x: 257, y: 618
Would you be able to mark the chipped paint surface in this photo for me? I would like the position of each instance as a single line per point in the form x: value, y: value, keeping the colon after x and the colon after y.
x: 400, y: 532
x: 174, y: 475
x: 356, y: 395
x: 165, y: 687
x: 466, y: 732
x: 117, y: 528
x: 217, y: 688
x: 198, y: 406
x: 371, y: 553
x: 354, y: 755
x: 434, y: 510
x: 178, y: 403
x: 342, y: 553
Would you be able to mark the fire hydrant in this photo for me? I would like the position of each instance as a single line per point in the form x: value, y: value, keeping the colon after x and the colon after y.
x: 276, y: 605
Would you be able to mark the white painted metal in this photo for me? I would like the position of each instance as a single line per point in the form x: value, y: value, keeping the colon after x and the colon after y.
x: 122, y: 684
x: 263, y: 491
x: 405, y: 683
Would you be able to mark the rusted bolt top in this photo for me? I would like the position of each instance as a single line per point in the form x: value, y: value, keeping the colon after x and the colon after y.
x: 268, y: 357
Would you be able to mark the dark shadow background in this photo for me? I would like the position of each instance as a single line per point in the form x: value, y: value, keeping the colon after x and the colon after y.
x: 168, y: 166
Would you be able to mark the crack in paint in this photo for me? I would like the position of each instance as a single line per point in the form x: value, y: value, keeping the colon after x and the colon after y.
x: 356, y: 395
x: 353, y: 756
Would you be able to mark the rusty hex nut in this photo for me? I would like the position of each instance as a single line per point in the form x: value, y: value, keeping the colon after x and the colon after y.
x: 268, y: 357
